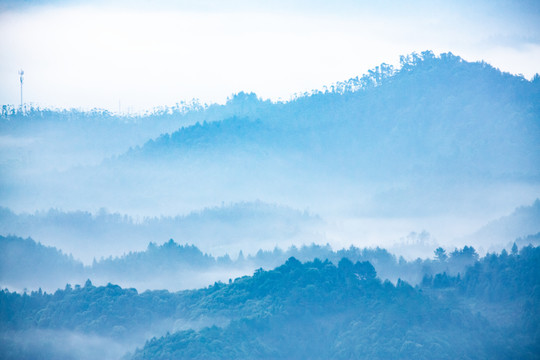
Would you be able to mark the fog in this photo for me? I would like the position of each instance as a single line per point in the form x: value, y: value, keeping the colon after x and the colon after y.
x: 367, y: 183
x: 60, y: 344
x: 229, y: 242
x: 392, y: 185
x: 67, y: 345
x: 230, y: 228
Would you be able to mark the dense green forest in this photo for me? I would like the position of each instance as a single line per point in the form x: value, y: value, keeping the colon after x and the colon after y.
x: 317, y: 309
x: 323, y: 311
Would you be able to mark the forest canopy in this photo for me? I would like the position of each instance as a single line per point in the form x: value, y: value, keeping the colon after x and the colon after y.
x: 316, y: 309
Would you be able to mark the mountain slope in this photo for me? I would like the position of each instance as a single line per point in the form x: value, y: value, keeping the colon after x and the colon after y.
x: 319, y: 311
x: 434, y: 114
x: 522, y: 222
x: 229, y: 228
x: 32, y: 265
x: 314, y: 309
x: 437, y: 136
x: 419, y: 139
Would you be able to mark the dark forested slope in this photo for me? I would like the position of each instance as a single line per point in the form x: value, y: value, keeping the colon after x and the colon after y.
x: 320, y: 311
x: 314, y: 309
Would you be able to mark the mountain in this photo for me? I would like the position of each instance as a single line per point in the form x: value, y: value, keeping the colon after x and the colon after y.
x: 227, y: 228
x: 438, y: 135
x: 323, y: 311
x: 522, y: 222
x: 437, y: 115
x: 25, y: 264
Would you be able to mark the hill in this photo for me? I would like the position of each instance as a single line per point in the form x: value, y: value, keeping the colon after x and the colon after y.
x: 25, y: 264
x: 315, y: 308
x: 435, y: 115
x: 328, y: 312
x: 522, y: 222
x: 438, y: 135
x: 229, y: 228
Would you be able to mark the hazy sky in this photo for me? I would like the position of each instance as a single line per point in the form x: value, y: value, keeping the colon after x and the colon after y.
x: 149, y: 53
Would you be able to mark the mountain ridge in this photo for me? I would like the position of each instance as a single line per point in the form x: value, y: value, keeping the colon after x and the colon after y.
x: 451, y: 136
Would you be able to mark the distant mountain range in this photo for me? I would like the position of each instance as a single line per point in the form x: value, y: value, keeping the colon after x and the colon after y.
x: 219, y: 230
x: 522, y: 223
x: 25, y: 263
x: 438, y: 136
x: 436, y: 116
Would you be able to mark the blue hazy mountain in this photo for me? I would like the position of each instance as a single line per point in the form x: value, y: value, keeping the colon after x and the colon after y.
x: 521, y: 223
x: 226, y: 228
x: 25, y: 264
x: 436, y: 116
x: 437, y: 135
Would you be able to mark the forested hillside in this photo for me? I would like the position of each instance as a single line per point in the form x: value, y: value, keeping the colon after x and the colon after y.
x: 315, y: 309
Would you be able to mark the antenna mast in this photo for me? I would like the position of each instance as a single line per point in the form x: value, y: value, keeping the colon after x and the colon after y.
x: 21, y: 75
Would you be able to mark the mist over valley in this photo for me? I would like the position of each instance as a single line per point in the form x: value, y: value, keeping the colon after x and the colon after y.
x: 391, y: 215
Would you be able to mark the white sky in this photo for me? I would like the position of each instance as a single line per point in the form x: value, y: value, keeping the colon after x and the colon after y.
x: 145, y: 54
